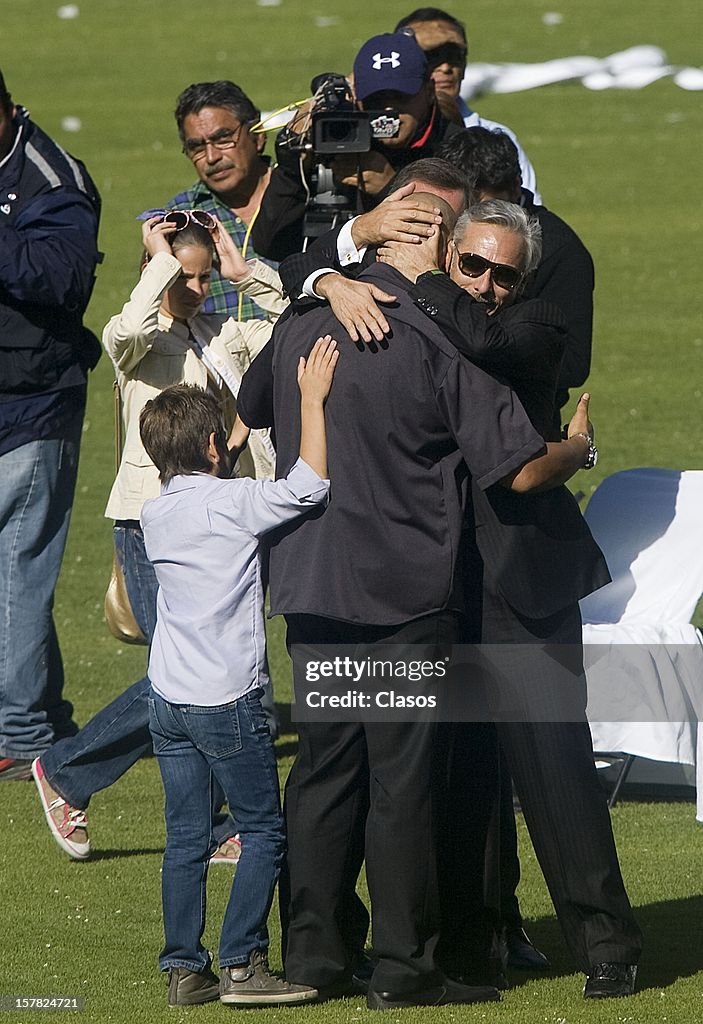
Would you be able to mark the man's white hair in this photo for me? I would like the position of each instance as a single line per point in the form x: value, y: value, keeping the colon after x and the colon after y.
x: 511, y: 217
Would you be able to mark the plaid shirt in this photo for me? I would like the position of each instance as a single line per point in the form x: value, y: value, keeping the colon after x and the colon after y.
x: 224, y: 299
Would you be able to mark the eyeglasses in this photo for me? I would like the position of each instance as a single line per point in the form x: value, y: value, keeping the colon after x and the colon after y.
x: 182, y: 218
x: 221, y: 140
x: 473, y: 265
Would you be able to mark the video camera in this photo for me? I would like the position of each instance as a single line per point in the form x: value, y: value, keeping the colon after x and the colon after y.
x: 336, y: 127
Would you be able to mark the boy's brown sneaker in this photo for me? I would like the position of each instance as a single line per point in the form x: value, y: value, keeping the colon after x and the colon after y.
x: 253, y: 984
x: 188, y: 988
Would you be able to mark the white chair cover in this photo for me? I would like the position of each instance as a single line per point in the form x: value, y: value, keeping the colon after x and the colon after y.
x: 643, y: 657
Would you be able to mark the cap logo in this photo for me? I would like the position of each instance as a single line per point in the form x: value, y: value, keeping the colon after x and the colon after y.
x: 379, y: 61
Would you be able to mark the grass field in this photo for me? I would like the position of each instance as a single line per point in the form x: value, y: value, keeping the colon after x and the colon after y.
x: 622, y: 167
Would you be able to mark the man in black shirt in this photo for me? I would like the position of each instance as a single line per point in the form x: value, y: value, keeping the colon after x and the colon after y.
x: 404, y: 421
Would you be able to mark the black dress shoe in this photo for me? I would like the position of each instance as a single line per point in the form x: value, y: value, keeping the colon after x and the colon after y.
x: 610, y: 981
x: 521, y: 951
x: 492, y: 976
x: 363, y: 972
x: 337, y: 990
x: 440, y: 995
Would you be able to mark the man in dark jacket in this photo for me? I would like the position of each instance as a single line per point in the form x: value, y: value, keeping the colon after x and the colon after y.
x: 49, y: 212
x: 538, y: 559
x: 565, y: 275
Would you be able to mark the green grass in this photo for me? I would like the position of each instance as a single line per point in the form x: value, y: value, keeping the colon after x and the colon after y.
x: 94, y: 929
x: 622, y: 167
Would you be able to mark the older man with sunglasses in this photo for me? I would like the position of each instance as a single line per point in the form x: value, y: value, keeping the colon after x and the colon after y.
x: 538, y: 560
x: 215, y: 121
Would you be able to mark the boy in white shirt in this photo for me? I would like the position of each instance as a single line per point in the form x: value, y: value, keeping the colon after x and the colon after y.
x: 206, y: 660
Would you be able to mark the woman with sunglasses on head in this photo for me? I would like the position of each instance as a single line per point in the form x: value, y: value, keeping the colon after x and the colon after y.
x: 159, y: 338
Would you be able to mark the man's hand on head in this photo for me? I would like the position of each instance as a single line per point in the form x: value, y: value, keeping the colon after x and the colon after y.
x: 401, y: 217
x: 355, y: 305
x: 412, y: 260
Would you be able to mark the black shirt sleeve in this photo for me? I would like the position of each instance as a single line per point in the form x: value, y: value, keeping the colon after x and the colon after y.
x: 255, y: 399
x: 278, y: 228
x: 517, y: 342
x: 488, y: 422
x: 568, y: 283
x: 566, y: 279
x: 297, y: 268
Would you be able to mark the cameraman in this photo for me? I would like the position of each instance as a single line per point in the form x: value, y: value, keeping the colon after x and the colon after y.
x: 392, y: 83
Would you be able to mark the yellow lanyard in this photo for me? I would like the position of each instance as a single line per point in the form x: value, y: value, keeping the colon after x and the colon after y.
x: 245, y: 243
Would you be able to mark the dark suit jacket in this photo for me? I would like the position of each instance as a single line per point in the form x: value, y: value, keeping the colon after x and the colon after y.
x: 537, y: 550
x: 404, y: 420
x: 295, y: 269
x: 565, y: 277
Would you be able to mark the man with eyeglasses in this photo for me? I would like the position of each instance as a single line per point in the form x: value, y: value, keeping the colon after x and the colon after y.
x: 443, y: 38
x: 538, y: 560
x: 215, y: 122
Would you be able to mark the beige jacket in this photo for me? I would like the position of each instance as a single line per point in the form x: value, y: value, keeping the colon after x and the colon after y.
x: 150, y: 351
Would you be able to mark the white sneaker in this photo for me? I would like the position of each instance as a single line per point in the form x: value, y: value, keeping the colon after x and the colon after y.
x: 227, y: 852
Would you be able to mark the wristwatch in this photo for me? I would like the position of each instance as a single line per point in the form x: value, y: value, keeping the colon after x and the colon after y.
x: 591, y: 451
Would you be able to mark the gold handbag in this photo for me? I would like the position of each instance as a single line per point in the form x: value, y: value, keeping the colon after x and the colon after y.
x: 118, y: 611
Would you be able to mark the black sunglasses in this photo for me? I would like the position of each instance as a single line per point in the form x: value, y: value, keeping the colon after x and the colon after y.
x: 473, y: 265
x: 447, y: 53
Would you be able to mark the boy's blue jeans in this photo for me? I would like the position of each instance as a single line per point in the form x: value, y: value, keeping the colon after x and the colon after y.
x: 232, y: 743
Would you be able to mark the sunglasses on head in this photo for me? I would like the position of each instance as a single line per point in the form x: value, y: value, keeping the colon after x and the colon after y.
x: 182, y: 218
x: 473, y: 265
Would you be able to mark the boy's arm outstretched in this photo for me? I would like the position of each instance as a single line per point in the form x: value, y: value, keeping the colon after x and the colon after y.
x: 265, y: 504
x: 315, y: 380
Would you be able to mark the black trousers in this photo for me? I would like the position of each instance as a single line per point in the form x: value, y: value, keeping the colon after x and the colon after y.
x: 364, y: 790
x: 565, y: 808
